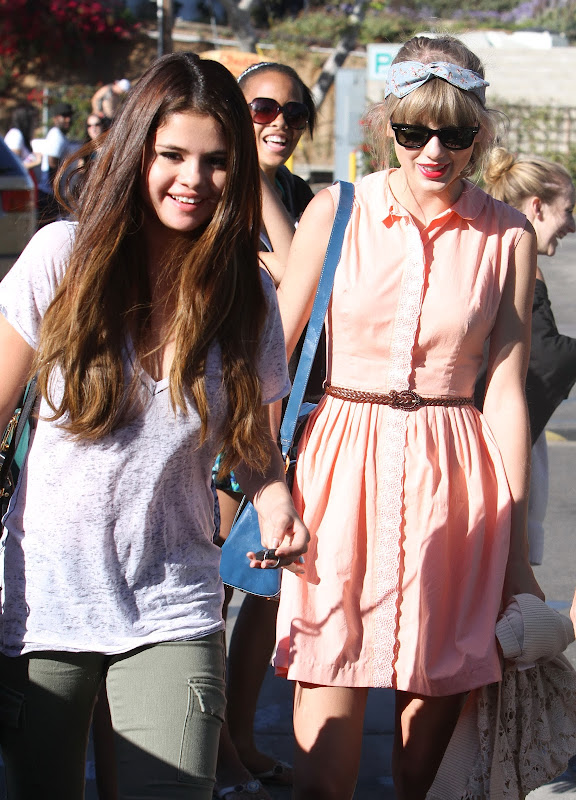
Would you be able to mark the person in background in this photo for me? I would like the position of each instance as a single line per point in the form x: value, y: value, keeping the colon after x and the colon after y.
x: 157, y: 342
x: 24, y: 120
x: 282, y: 110
x: 106, y: 101
x: 96, y: 125
x: 415, y: 502
x: 543, y: 190
x: 56, y: 148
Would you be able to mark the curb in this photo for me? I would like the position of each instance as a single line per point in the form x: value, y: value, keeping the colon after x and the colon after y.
x: 560, y: 435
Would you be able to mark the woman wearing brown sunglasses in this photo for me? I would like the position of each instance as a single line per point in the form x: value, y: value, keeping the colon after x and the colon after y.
x: 282, y: 110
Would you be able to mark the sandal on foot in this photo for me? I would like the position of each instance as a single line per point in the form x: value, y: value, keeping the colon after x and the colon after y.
x: 250, y: 788
x: 279, y: 775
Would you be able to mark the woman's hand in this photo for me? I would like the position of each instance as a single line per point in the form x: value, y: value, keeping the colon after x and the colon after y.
x: 281, y: 528
x: 282, y: 531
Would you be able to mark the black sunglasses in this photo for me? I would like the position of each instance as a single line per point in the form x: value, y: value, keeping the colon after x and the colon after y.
x: 264, y: 110
x: 413, y: 137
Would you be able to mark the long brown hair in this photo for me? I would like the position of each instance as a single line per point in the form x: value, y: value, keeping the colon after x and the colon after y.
x: 214, y: 273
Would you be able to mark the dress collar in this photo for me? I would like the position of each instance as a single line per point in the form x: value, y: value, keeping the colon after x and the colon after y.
x: 468, y: 206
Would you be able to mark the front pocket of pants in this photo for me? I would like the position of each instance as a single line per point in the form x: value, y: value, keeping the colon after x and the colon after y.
x: 204, y: 718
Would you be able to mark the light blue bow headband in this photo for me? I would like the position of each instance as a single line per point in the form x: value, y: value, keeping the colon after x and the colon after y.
x: 405, y: 76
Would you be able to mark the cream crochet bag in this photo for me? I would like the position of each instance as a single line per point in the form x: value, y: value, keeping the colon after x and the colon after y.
x: 517, y: 735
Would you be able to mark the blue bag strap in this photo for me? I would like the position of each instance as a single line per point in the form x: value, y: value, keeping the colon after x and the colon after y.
x: 316, y: 322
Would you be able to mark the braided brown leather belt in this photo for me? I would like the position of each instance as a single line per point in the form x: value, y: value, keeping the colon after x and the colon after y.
x: 407, y: 400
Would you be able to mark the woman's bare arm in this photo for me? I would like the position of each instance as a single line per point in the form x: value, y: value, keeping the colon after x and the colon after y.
x: 298, y: 286
x: 279, y: 229
x: 16, y: 358
x: 505, y: 406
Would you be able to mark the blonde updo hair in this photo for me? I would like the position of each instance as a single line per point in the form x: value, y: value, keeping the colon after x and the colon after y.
x: 436, y: 101
x: 514, y: 179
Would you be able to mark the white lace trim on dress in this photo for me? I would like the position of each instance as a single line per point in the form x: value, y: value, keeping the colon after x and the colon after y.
x: 391, y: 458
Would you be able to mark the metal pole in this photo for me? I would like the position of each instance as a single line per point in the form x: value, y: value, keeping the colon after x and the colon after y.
x: 160, y: 18
x: 164, y: 27
x: 45, y: 112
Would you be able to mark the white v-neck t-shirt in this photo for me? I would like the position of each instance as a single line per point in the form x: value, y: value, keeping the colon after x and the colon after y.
x: 108, y: 544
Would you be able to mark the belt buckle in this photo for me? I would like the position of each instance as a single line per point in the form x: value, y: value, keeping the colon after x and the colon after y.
x: 407, y: 400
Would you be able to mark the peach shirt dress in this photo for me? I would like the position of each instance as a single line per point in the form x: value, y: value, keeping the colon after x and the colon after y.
x: 409, y: 511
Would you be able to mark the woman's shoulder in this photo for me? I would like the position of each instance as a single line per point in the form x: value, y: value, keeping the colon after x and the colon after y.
x: 320, y: 211
x: 482, y: 205
x: 506, y: 210
x: 55, y: 236
x: 48, y: 251
x: 372, y: 187
x: 14, y: 137
x: 297, y: 192
x: 371, y: 194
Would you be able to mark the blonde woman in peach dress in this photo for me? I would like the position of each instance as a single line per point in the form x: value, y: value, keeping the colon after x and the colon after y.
x: 416, y: 502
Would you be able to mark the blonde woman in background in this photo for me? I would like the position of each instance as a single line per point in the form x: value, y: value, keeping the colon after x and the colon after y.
x: 544, y: 191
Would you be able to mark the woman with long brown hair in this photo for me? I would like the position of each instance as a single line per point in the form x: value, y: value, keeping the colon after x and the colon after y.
x: 157, y: 343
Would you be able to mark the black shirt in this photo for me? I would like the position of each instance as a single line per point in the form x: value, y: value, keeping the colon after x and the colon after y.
x: 552, y: 367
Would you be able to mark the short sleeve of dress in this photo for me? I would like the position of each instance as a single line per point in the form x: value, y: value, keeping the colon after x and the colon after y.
x: 272, y: 366
x: 29, y: 287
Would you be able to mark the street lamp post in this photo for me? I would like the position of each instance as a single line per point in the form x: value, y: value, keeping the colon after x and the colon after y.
x: 164, y: 17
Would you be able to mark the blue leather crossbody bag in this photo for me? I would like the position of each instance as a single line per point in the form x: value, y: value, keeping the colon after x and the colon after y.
x: 244, y: 536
